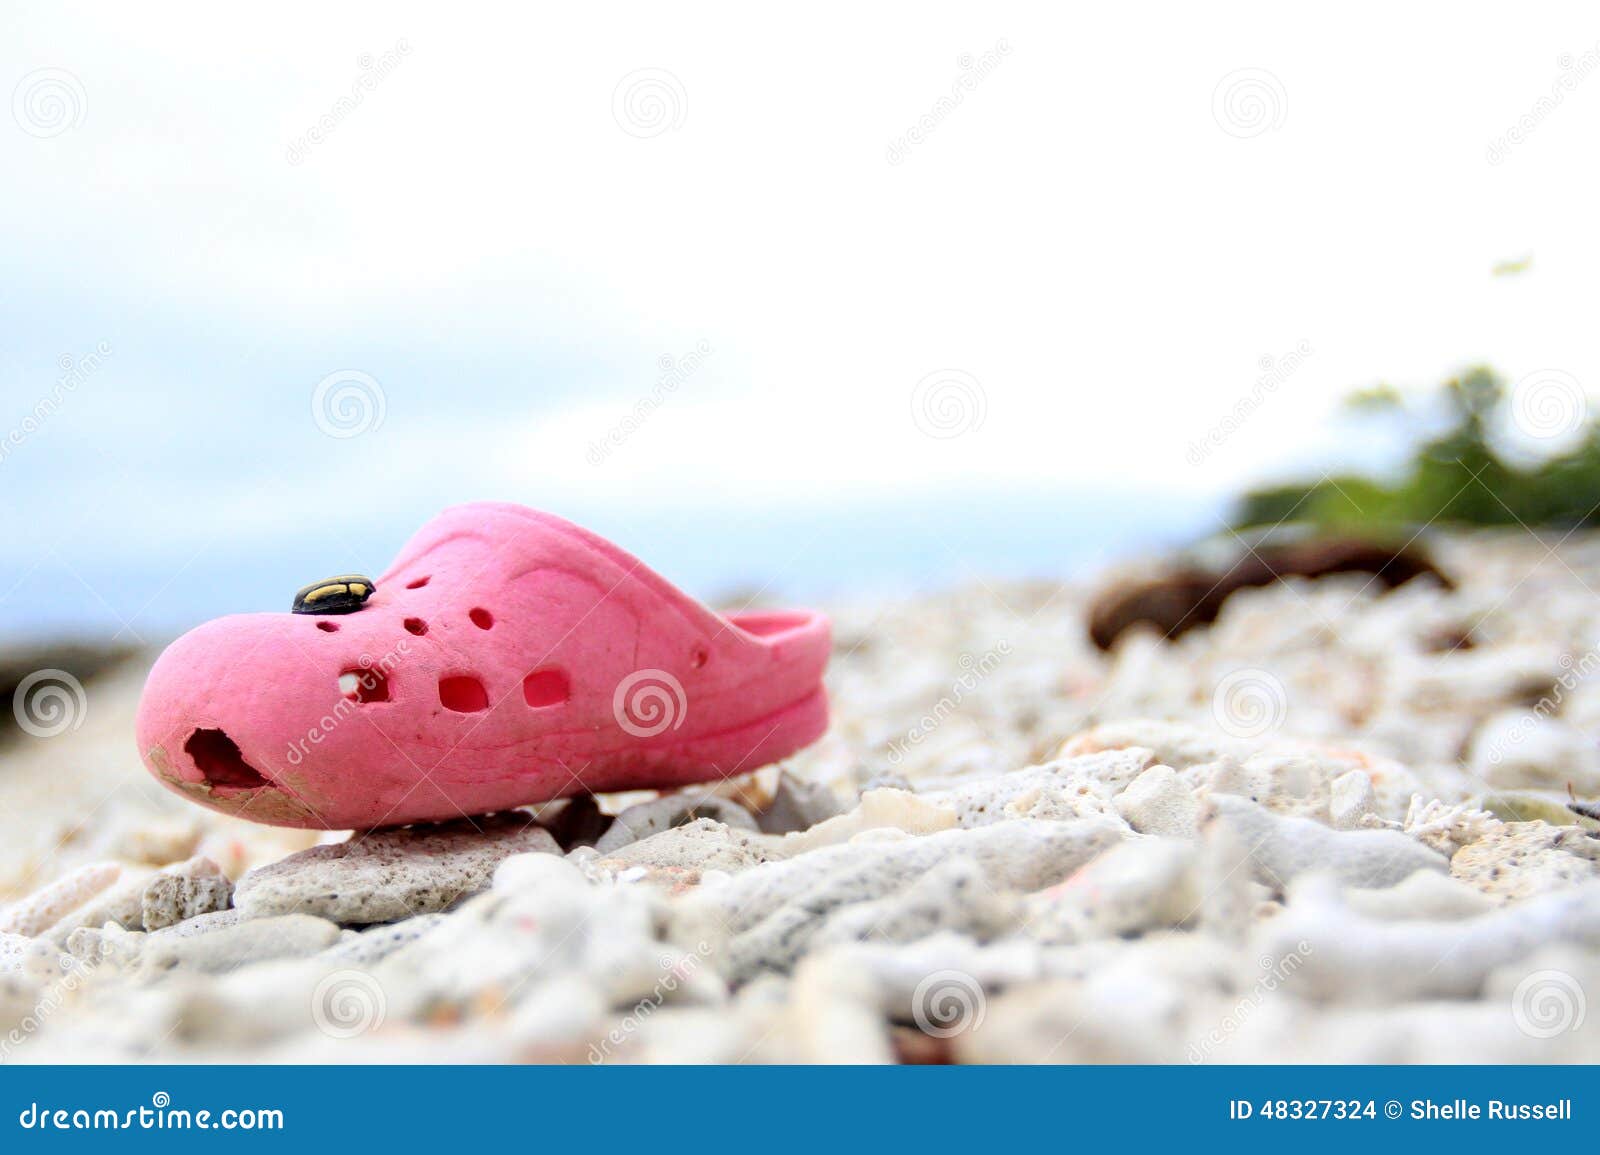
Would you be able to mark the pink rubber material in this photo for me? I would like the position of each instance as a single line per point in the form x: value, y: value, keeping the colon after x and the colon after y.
x: 507, y: 657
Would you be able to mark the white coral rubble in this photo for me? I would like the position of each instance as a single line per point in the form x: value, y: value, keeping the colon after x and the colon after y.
x: 1025, y: 851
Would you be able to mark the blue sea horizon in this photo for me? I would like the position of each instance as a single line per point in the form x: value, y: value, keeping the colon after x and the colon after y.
x: 824, y: 553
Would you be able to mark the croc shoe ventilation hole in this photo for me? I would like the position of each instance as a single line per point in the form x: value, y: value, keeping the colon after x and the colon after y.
x: 364, y: 685
x: 416, y: 626
x: 548, y: 687
x: 463, y: 693
x: 418, y: 584
x: 217, y: 757
x: 481, y: 617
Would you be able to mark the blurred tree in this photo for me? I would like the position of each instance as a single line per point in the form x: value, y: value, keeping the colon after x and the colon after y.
x: 1457, y: 476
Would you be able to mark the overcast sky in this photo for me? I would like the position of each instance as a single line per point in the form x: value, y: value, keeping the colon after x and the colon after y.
x: 906, y: 258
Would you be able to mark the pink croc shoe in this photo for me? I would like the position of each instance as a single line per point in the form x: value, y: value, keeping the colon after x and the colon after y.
x: 507, y: 657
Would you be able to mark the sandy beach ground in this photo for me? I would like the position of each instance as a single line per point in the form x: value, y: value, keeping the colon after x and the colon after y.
x: 1333, y: 827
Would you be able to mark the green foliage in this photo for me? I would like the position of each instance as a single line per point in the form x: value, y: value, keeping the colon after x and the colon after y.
x: 1461, y: 476
x: 1376, y: 399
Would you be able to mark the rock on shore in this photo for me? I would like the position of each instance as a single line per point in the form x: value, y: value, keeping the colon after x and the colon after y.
x: 1331, y: 826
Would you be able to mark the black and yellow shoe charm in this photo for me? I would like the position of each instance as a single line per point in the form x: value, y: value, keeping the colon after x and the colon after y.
x: 344, y: 594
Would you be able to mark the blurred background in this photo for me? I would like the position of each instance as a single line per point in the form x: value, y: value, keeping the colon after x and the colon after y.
x: 812, y: 307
